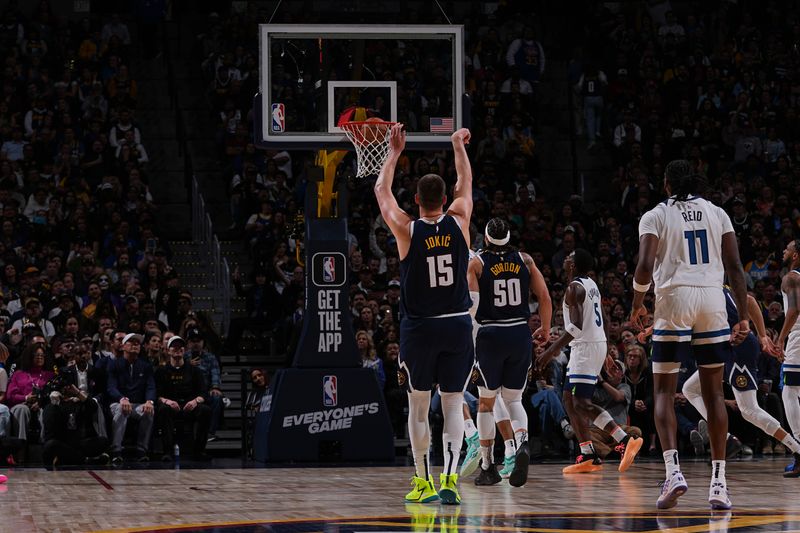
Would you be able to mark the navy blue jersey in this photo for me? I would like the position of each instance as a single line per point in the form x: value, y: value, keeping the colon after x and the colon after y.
x: 434, y: 273
x: 733, y: 318
x: 504, y: 286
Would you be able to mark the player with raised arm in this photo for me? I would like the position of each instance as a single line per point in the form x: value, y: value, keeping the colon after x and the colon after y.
x: 788, y: 346
x: 686, y: 246
x: 435, y: 326
x: 741, y: 373
x: 500, y: 279
x: 585, y: 332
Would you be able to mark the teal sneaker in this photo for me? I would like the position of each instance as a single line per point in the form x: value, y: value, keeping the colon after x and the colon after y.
x: 472, y: 458
x: 508, y: 466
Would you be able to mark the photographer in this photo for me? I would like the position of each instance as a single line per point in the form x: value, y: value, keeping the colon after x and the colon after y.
x: 182, y: 396
x: 24, y: 389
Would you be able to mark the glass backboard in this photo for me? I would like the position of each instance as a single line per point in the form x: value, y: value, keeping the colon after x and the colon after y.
x: 312, y: 75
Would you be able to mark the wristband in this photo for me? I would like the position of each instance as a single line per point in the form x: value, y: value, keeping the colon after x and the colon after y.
x: 638, y: 287
x: 573, y: 330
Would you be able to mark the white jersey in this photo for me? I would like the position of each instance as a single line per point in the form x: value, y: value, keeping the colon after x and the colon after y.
x: 792, y: 350
x: 689, y: 242
x: 592, y: 329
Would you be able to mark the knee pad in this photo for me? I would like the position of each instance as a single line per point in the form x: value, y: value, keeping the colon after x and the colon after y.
x: 486, y: 430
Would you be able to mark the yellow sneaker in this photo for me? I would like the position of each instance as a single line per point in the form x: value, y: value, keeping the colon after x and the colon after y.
x: 422, y: 491
x: 448, y: 491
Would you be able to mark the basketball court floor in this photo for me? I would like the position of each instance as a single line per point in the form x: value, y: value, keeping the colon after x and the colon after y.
x: 370, y: 499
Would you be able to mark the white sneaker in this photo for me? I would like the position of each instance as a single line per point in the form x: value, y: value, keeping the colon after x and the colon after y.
x: 673, y: 488
x: 718, y: 496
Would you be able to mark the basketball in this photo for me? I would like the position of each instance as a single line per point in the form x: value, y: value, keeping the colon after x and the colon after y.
x: 375, y: 131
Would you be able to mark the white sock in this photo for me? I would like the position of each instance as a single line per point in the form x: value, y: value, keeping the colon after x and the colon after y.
x: 671, y: 462
x: 469, y: 428
x: 791, y: 443
x: 486, y: 457
x: 419, y: 431
x: 587, y: 448
x: 511, y: 448
x: 718, y: 471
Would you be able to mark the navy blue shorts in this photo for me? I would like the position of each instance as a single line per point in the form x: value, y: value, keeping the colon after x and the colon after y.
x: 702, y: 354
x: 504, y: 356
x: 741, y: 372
x: 436, y: 350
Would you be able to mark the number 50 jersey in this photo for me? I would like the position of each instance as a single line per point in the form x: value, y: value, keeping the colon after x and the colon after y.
x: 434, y: 273
x: 504, y: 286
x: 689, y: 242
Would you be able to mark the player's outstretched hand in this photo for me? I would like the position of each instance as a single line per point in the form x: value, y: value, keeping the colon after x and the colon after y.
x: 461, y: 136
x: 767, y: 346
x: 740, y: 332
x: 777, y: 351
x: 642, y: 336
x: 637, y: 314
x: 541, y: 335
x: 397, y: 138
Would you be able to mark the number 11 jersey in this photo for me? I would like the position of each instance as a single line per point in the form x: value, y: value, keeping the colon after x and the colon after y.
x: 433, y: 276
x: 690, y: 242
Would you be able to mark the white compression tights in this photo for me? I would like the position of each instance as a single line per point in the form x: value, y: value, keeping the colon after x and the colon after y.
x: 746, y: 400
x: 791, y: 394
x: 419, y: 430
x: 519, y: 418
x: 453, y: 432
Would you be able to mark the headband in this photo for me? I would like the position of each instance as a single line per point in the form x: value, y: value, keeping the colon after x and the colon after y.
x: 496, y: 242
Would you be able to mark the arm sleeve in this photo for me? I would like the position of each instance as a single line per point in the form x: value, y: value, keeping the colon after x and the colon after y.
x: 650, y: 223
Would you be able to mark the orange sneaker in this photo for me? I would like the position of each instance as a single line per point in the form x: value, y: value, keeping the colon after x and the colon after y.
x: 584, y: 464
x: 627, y: 451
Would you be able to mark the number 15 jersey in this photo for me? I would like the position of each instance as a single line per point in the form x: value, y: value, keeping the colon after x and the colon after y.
x: 433, y: 276
x: 689, y: 242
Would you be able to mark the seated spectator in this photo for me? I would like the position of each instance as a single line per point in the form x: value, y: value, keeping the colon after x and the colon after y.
x: 132, y: 391
x: 640, y: 380
x: 546, y: 401
x: 5, y: 412
x: 182, y: 397
x: 23, y: 396
x: 32, y: 315
x: 369, y: 356
x: 70, y: 429
x: 613, y: 395
x: 257, y: 401
x: 207, y: 362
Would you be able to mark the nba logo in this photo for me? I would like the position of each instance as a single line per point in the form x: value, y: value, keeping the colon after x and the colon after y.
x: 330, y: 392
x: 328, y: 269
x: 278, y: 122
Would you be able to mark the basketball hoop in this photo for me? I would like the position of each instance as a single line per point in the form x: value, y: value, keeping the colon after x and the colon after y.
x: 371, y: 141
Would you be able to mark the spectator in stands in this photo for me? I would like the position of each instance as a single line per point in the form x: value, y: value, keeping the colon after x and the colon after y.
x: 640, y: 381
x: 207, y: 362
x: 182, y: 396
x: 24, y: 389
x: 613, y: 395
x: 263, y: 305
x: 5, y: 412
x: 132, y: 393
x: 369, y: 356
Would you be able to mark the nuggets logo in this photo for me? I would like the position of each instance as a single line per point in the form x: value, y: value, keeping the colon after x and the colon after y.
x: 475, y: 375
x: 530, y: 374
x: 741, y: 381
x: 401, y: 378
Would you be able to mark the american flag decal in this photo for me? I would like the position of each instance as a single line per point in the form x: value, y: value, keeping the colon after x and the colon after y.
x: 441, y: 125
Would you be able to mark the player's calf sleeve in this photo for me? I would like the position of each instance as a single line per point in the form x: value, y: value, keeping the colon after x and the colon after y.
x: 500, y: 412
x: 519, y: 418
x: 748, y: 405
x: 419, y: 433
x: 486, y: 429
x: 691, y: 389
x: 453, y: 432
x: 790, y: 404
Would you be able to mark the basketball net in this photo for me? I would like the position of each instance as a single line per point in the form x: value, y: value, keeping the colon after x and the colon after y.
x: 371, y: 141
